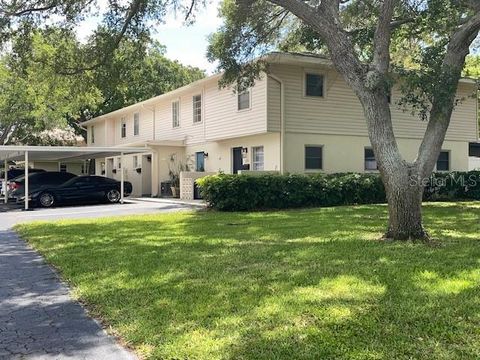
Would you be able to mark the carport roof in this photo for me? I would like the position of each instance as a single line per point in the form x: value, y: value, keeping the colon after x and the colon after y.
x: 64, y: 153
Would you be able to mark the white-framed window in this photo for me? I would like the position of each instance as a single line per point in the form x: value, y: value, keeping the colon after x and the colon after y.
x: 176, y: 113
x: 313, y: 157
x: 135, y: 161
x: 123, y: 128
x: 136, y: 124
x: 119, y: 163
x: 258, y: 158
x: 92, y: 134
x: 63, y: 167
x: 443, y: 161
x: 197, y: 108
x: 369, y: 157
x: 243, y: 100
x: 314, y: 85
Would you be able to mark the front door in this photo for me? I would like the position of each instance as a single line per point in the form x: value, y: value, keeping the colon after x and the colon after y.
x: 237, y: 160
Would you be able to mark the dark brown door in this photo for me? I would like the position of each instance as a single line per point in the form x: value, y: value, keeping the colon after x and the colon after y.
x: 237, y: 160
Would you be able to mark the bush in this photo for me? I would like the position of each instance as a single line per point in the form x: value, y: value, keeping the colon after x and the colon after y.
x: 248, y: 192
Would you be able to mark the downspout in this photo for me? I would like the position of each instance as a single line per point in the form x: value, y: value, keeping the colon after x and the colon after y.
x: 282, y: 123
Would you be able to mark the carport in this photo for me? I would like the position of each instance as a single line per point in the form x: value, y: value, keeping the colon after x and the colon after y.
x: 61, y: 153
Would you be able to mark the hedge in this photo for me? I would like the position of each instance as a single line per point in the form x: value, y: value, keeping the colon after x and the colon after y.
x: 247, y: 192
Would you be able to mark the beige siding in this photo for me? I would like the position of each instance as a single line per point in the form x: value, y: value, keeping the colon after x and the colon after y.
x: 274, y: 104
x: 340, y: 112
x: 146, y: 127
x: 220, y: 118
x: 100, y: 139
x: 225, y: 121
x: 188, y: 130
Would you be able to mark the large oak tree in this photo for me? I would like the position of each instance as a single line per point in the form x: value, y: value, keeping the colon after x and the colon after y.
x: 360, y: 36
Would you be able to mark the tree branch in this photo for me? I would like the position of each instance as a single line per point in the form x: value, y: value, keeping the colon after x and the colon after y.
x: 443, y: 102
x: 382, y: 37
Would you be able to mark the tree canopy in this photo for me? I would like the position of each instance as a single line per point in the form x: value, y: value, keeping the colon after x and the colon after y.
x: 37, y: 95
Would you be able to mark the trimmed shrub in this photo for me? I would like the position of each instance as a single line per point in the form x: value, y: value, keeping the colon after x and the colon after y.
x: 246, y: 192
x: 253, y: 192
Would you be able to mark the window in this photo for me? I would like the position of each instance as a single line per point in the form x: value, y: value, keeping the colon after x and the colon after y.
x: 92, y: 134
x: 63, y: 167
x: 176, y: 114
x: 257, y: 158
x: 200, y: 161
x: 136, y: 124
x: 370, y: 162
x: 197, y: 108
x: 443, y: 162
x: 313, y: 157
x: 123, y: 128
x: 244, y: 100
x: 314, y: 85
x: 119, y: 163
x: 135, y: 162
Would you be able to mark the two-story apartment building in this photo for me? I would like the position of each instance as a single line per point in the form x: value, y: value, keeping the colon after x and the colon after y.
x: 301, y: 117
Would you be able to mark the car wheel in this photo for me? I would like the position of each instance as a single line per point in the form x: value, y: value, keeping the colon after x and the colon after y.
x: 46, y: 200
x: 113, y: 196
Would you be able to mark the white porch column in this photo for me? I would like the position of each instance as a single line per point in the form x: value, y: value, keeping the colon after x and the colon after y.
x: 4, y: 186
x: 122, y: 178
x: 26, y: 180
x: 155, y: 175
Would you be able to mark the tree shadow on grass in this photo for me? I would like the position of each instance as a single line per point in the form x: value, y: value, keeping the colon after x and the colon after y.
x: 302, y: 284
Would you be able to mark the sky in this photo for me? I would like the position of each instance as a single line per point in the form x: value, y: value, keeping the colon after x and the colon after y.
x: 187, y: 44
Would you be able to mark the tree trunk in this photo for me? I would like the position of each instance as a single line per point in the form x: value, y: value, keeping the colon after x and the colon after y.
x: 404, y: 195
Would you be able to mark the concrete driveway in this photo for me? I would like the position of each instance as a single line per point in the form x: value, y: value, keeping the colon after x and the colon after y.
x: 38, y: 318
x: 13, y: 214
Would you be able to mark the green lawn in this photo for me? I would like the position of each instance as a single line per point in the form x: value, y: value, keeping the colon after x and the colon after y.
x: 306, y: 284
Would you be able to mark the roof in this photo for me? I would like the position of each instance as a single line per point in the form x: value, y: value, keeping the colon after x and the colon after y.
x: 63, y: 153
x: 274, y: 57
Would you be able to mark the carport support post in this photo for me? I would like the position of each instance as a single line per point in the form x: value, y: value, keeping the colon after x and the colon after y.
x: 122, y: 178
x: 6, y: 180
x: 26, y: 180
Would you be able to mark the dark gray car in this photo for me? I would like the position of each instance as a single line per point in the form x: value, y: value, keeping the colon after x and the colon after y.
x: 37, y: 181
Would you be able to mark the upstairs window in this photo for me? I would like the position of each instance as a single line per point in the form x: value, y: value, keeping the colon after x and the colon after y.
x: 176, y: 114
x: 123, y: 129
x: 257, y: 158
x: 313, y: 157
x: 370, y: 162
x: 244, y: 100
x: 136, y: 124
x: 92, y: 134
x: 443, y: 162
x: 197, y: 109
x: 314, y: 85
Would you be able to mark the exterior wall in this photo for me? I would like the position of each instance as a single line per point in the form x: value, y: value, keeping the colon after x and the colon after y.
x: 473, y: 163
x: 145, y: 127
x: 100, y: 134
x: 220, y: 153
x: 274, y: 105
x: 220, y: 117
x: 346, y: 153
x: 72, y: 167
x: 340, y: 112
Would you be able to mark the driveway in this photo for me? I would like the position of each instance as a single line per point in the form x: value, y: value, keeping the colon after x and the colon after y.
x: 38, y: 318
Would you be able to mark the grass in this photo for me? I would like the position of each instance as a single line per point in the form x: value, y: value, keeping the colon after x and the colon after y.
x: 303, y: 284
